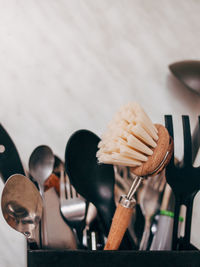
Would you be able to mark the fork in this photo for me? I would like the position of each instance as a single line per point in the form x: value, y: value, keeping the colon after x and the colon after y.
x: 72, y: 206
x: 149, y: 203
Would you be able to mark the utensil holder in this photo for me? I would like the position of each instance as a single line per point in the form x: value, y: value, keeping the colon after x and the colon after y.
x: 189, y: 257
x: 63, y: 258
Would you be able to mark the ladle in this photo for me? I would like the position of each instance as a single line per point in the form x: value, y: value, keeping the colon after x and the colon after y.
x: 21, y: 206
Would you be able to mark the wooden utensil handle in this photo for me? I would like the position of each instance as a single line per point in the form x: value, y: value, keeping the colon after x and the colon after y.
x: 120, y: 223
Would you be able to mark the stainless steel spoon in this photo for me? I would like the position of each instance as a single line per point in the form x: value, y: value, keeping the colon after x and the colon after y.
x: 187, y: 72
x: 21, y: 206
x: 41, y: 165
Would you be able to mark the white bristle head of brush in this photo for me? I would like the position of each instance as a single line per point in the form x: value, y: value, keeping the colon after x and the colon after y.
x: 129, y: 139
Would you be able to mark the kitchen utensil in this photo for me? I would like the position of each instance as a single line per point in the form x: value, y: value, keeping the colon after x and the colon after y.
x: 58, y: 166
x: 163, y: 237
x: 129, y: 139
x: 149, y: 203
x: 195, y: 142
x: 184, y: 181
x: 10, y: 162
x: 95, y: 182
x: 132, y: 140
x: 60, y: 235
x: 167, y: 204
x: 21, y: 206
x: 91, y: 214
x: 187, y: 72
x: 52, y: 181
x: 72, y: 206
x: 41, y: 164
x: 90, y: 217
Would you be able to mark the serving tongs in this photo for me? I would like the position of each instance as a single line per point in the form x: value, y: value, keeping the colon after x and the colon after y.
x: 184, y: 180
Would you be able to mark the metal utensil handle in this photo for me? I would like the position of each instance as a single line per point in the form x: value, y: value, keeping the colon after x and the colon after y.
x: 44, y: 232
x: 31, y: 239
x: 145, y: 236
x: 120, y: 223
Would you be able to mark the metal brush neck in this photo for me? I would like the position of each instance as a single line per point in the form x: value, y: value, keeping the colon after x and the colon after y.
x: 137, y: 181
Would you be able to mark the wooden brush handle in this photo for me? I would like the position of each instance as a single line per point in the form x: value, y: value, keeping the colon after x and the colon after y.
x: 120, y: 223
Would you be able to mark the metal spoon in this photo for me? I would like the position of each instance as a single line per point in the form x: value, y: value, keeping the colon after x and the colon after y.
x: 188, y: 72
x: 21, y: 206
x: 41, y: 165
x: 95, y: 182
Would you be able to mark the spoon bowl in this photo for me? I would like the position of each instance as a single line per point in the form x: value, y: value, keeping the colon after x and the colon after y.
x: 41, y: 165
x: 188, y: 73
x: 21, y: 205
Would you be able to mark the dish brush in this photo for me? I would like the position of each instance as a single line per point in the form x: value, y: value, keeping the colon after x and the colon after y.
x: 133, y: 140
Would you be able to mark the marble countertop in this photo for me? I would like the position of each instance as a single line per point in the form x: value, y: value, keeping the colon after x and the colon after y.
x: 68, y: 65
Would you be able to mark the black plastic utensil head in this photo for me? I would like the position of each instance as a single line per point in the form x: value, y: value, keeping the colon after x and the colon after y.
x: 187, y: 72
x: 184, y: 178
x: 10, y: 162
x: 93, y: 181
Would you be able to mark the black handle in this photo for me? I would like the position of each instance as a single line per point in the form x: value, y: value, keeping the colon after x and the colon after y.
x: 196, y: 140
x: 188, y: 222
x: 187, y: 158
x: 175, y: 225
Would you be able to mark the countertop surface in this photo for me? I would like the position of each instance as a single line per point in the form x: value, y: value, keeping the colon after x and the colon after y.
x: 69, y: 65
